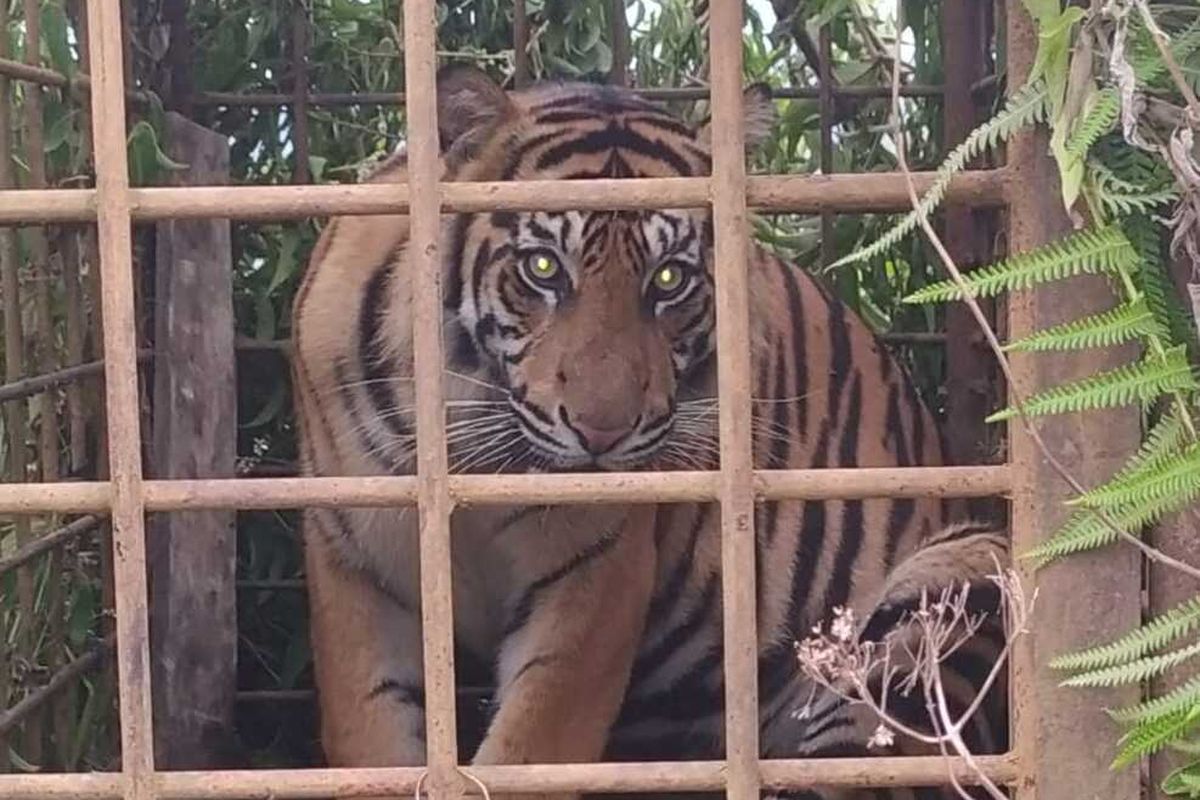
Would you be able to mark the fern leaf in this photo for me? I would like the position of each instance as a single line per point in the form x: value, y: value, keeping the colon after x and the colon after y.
x: 1147, y: 62
x: 1155, y: 734
x: 1135, y: 672
x: 1087, y: 252
x: 1155, y: 482
x: 1086, y: 530
x: 1142, y: 382
x: 1160, y: 444
x: 1162, y: 630
x: 1026, y: 107
x: 1179, y: 699
x: 1121, y: 324
x: 1152, y: 280
x: 1099, y: 120
x: 1121, y: 198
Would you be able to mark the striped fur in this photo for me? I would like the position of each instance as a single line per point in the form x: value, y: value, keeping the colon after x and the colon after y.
x: 602, y: 623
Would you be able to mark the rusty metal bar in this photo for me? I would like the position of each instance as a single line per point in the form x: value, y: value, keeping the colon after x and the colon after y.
x: 610, y: 487
x: 433, y: 496
x: 47, y: 542
x: 674, y: 776
x: 521, y: 71
x: 849, y: 192
x: 618, y: 73
x: 35, y: 384
x: 14, y: 715
x: 826, y: 121
x: 731, y: 224
x: 299, y: 104
x: 235, y: 99
x: 121, y: 389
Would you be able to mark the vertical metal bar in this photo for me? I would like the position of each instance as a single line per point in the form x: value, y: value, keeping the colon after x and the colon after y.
x: 433, y: 498
x: 825, y: 87
x: 300, y: 34
x: 1104, y: 596
x: 728, y: 187
x: 521, y: 71
x: 121, y: 385
x: 618, y: 74
x: 16, y: 415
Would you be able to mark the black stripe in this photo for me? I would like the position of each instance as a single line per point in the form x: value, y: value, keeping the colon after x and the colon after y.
x: 407, y: 693
x: 650, y: 659
x: 667, y: 599
x: 812, y: 540
x: 839, y: 361
x: 613, y: 137
x: 799, y: 346
x: 901, y: 510
x: 837, y: 591
x: 375, y: 366
x: 523, y: 608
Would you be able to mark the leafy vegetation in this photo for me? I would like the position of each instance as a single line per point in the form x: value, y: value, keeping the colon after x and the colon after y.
x: 1120, y: 162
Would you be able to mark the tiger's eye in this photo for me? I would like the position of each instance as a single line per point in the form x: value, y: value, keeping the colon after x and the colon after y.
x: 668, y: 279
x: 542, y: 267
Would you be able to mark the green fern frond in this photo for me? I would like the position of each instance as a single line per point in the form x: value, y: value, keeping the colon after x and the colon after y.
x: 1106, y: 108
x: 1025, y: 108
x: 1154, y: 735
x: 1147, y: 62
x: 1179, y: 699
x: 1141, y: 383
x: 1086, y: 530
x: 1152, y: 280
x: 1161, y: 480
x: 1160, y: 631
x: 1135, y: 672
x: 1122, y: 324
x: 1120, y: 197
x: 1160, y: 444
x: 1086, y: 252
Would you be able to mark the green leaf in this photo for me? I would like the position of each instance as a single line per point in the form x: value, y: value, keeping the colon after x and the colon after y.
x: 1135, y: 672
x: 1158, y: 481
x: 1180, y: 699
x: 1183, y: 781
x: 1154, y: 735
x: 1099, y: 116
x: 1142, y: 382
x: 1162, y: 630
x: 1101, y: 250
x: 1122, y: 324
x: 1024, y: 108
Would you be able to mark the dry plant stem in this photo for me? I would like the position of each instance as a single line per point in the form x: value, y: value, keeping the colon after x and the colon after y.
x: 989, y: 333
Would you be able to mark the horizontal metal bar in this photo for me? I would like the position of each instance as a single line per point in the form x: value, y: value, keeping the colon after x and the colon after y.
x: 674, y: 776
x: 874, y: 192
x: 670, y: 776
x: 551, y: 489
x: 233, y: 99
x: 61, y: 679
x: 55, y: 538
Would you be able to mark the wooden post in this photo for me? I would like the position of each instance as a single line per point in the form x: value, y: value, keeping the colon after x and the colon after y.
x: 193, y: 622
x: 1063, y: 736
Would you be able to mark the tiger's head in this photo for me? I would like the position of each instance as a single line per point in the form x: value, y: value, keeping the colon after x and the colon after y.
x: 595, y: 324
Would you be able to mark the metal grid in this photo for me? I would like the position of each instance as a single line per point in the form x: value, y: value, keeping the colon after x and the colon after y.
x: 114, y: 206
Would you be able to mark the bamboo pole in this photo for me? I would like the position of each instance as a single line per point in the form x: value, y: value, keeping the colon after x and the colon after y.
x: 121, y: 388
x: 17, y: 415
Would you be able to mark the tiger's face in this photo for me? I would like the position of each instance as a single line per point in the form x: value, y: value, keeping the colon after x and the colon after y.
x: 596, y: 325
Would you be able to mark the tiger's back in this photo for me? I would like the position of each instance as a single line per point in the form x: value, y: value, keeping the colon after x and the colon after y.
x: 585, y: 340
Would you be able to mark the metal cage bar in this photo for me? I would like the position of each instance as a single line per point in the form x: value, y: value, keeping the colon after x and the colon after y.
x: 846, y: 192
x: 114, y: 229
x: 114, y: 205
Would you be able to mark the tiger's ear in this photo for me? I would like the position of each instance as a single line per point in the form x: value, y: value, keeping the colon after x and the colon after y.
x: 468, y: 101
x: 758, y: 117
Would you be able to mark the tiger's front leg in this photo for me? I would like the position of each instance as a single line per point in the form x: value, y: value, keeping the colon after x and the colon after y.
x: 565, y: 663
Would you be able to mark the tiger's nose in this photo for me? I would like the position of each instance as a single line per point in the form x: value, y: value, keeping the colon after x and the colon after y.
x: 597, y: 440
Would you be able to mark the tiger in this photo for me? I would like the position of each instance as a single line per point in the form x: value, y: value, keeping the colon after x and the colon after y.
x: 585, y: 341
